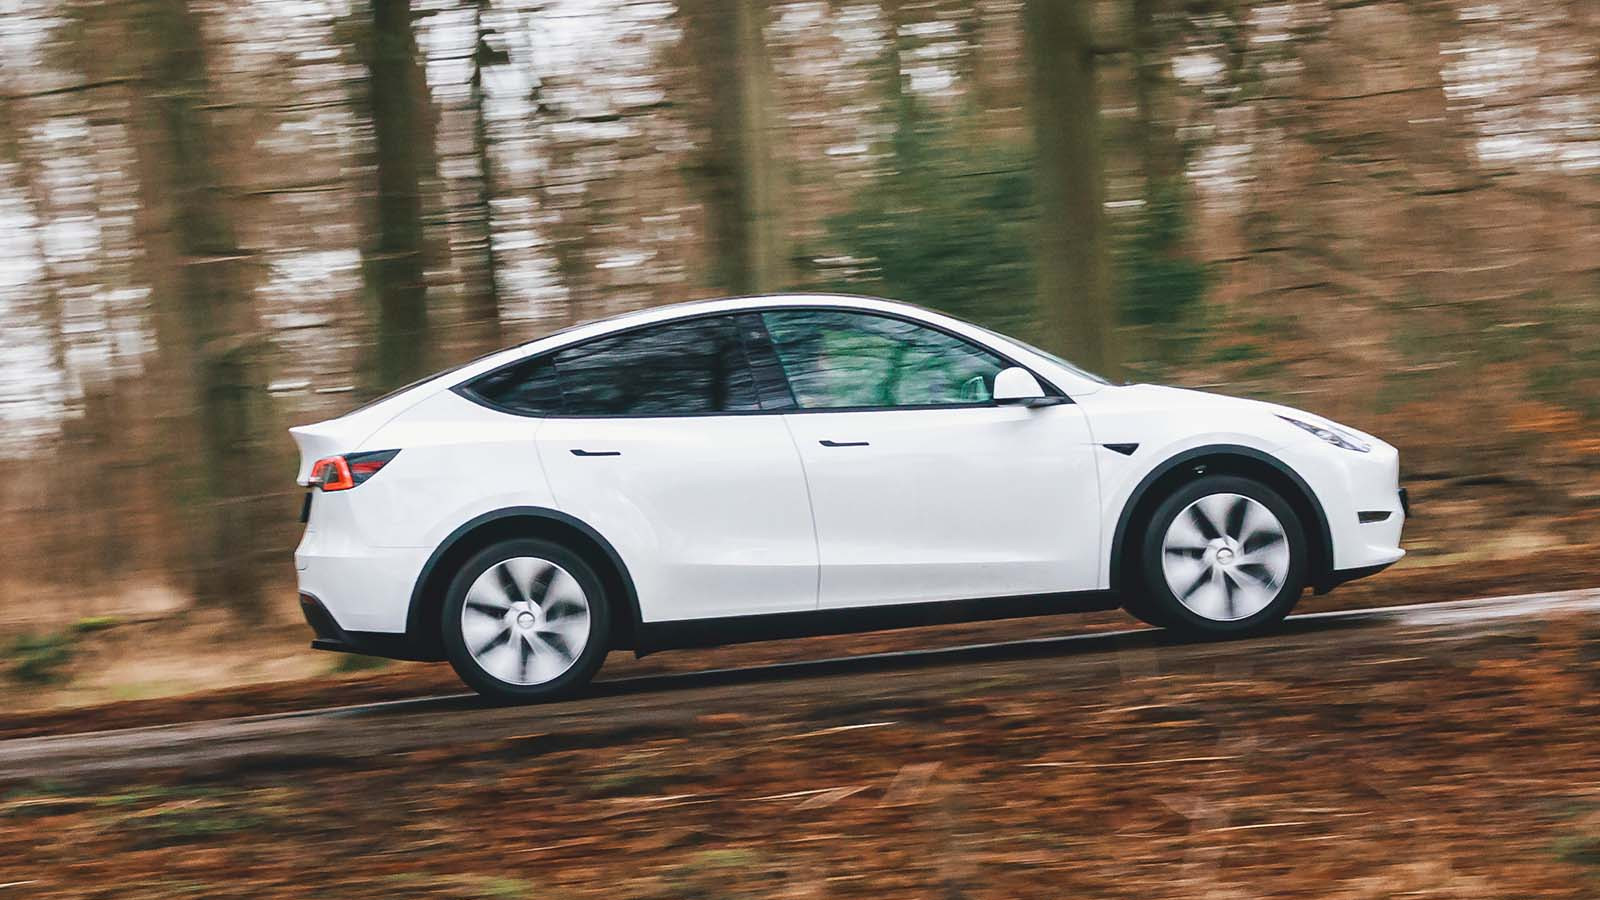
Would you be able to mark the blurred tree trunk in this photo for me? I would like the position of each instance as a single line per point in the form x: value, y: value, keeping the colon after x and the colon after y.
x: 483, y: 291
x: 209, y: 339
x: 743, y: 182
x: 394, y: 257
x: 1155, y: 134
x: 1075, y: 302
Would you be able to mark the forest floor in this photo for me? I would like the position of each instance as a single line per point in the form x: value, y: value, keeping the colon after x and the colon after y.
x: 1448, y: 751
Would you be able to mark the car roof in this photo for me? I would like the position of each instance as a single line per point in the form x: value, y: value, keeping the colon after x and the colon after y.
x: 690, y: 308
x: 584, y: 331
x: 405, y: 397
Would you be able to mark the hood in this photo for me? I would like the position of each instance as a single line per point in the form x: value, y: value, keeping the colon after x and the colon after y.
x: 1158, y: 397
x: 1126, y: 413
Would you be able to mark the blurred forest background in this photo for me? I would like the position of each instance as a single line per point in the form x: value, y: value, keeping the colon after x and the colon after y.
x: 221, y: 219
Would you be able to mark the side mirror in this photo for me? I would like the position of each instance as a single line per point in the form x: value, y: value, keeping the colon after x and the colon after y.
x: 1016, y: 386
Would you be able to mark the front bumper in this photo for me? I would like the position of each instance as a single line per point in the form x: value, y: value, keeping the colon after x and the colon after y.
x: 1361, y: 498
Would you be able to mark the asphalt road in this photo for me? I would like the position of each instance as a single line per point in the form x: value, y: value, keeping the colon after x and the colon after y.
x: 618, y: 711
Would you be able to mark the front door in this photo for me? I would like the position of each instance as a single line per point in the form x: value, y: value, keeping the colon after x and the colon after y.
x: 921, y: 488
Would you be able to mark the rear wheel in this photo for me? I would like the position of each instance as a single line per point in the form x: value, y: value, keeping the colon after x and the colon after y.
x: 1222, y: 555
x: 526, y: 620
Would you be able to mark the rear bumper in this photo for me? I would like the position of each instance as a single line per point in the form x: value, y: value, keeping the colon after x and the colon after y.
x: 361, y: 587
x: 327, y: 635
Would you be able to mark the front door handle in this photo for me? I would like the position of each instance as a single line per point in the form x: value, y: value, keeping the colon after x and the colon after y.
x: 578, y: 452
x: 843, y: 443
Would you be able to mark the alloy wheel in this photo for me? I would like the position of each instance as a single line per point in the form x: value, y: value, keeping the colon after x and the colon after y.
x: 525, y: 621
x: 1225, y: 557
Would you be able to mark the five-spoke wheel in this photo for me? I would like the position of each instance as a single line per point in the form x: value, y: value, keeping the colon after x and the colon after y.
x: 525, y: 619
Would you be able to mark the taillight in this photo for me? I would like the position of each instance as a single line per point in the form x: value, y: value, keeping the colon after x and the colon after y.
x: 341, y: 473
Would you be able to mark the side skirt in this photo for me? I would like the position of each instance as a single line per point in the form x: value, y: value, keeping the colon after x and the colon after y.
x: 676, y: 635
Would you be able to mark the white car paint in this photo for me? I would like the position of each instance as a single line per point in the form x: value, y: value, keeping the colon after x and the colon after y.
x: 739, y: 514
x: 945, y: 504
x: 710, y: 512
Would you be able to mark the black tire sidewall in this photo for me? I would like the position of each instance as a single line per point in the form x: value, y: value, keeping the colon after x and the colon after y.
x: 581, y: 671
x: 1160, y: 602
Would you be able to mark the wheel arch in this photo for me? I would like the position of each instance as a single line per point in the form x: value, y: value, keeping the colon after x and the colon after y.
x: 1230, y: 459
x: 427, y: 596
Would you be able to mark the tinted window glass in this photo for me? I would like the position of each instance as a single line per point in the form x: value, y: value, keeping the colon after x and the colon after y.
x: 837, y: 360
x: 682, y: 367
x: 674, y: 369
x: 528, y: 387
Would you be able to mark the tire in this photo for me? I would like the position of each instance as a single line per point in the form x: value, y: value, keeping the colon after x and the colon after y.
x: 526, y: 620
x: 1223, y: 555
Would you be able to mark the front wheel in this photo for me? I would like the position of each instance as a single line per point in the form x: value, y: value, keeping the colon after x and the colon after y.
x: 1222, y: 555
x: 526, y: 620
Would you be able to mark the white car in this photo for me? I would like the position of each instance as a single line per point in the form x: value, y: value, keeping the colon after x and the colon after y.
x: 790, y: 465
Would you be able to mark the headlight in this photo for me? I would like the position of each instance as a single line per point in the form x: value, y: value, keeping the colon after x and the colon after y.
x: 1333, y: 434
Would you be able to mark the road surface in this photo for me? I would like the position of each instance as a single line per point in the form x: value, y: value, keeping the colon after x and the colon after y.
x: 619, y: 711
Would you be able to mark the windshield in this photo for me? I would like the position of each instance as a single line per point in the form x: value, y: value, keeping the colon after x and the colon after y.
x: 1063, y: 363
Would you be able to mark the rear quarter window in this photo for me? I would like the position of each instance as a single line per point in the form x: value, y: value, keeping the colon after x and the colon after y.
x: 529, y: 388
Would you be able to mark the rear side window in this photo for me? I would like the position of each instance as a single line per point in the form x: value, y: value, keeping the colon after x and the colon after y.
x: 696, y: 367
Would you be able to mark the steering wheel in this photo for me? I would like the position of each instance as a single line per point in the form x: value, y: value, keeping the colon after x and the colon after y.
x: 974, y: 390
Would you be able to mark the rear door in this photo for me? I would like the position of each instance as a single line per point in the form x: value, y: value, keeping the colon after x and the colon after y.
x: 657, y: 439
x: 921, y: 487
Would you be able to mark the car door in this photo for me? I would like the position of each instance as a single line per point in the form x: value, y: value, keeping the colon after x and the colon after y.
x: 655, y: 438
x: 921, y: 487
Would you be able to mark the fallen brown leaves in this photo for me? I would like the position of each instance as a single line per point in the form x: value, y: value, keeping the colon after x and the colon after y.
x: 1369, y: 766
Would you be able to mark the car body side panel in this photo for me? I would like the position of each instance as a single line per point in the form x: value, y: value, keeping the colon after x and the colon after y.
x: 709, y: 513
x: 950, y: 504
x: 364, y: 548
x: 1122, y: 475
x: 1167, y: 422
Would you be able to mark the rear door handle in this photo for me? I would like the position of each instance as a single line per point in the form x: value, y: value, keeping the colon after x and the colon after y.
x: 578, y: 452
x: 844, y: 443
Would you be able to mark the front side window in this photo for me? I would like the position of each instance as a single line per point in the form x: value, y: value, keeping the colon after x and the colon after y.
x: 849, y: 360
x: 697, y: 367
